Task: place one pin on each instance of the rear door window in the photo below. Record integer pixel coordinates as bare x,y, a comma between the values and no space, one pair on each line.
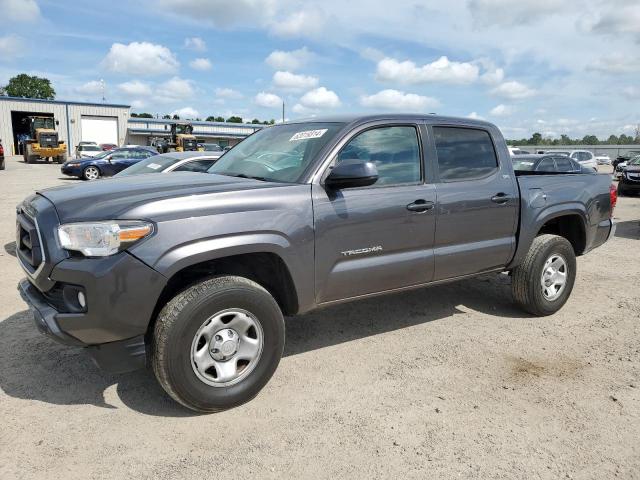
564,164
546,165
464,153
196,166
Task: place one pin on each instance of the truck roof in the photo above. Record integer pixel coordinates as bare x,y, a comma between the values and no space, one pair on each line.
353,118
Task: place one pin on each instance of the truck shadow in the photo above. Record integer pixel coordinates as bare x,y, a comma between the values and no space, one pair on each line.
34,367
10,248
629,229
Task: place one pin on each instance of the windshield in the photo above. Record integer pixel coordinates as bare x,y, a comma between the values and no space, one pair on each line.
41,122
523,165
90,148
154,164
635,160
280,154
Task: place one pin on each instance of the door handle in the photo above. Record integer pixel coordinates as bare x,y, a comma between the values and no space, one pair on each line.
420,206
500,198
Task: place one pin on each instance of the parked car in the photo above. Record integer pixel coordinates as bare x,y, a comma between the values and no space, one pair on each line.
88,151
517,151
211,147
2,166
106,164
625,157
196,271
619,168
548,164
603,159
173,162
630,179
108,146
585,158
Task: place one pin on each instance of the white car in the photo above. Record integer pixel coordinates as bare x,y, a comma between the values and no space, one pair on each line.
583,157
173,162
84,151
603,159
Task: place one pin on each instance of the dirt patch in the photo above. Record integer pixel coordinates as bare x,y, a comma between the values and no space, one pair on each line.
560,367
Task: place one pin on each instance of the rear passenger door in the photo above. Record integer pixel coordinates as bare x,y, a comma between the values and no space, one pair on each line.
478,201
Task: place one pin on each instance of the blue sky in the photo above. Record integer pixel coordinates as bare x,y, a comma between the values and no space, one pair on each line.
552,66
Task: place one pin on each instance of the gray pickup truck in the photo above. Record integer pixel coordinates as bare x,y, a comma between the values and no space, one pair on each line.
191,273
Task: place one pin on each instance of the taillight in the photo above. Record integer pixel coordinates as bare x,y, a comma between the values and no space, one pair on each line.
1,150
613,196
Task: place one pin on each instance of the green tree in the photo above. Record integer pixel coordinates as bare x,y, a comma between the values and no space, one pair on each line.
535,139
176,116
234,119
612,140
28,86
145,115
210,118
590,140
166,117
255,121
219,119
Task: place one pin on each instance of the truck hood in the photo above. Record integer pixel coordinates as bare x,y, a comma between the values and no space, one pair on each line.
114,198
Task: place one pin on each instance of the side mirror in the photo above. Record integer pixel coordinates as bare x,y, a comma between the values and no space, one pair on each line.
352,173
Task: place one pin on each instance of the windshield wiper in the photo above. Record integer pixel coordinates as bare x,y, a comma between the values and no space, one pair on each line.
243,175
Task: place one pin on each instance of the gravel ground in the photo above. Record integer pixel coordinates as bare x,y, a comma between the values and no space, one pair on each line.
452,381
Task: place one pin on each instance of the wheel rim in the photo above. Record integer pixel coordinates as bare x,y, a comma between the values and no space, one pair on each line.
91,173
227,347
554,277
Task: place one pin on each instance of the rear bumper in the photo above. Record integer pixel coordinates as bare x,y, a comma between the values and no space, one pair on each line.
113,357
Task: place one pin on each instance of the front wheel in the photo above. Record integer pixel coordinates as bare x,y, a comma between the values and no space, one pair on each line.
91,173
542,283
217,343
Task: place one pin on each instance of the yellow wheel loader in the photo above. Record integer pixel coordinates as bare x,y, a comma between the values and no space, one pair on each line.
182,139
43,141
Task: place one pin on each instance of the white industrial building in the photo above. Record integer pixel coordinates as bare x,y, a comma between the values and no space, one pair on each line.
103,123
75,121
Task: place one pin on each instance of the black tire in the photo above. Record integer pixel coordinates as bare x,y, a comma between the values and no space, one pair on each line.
2,164
60,159
621,191
180,320
527,277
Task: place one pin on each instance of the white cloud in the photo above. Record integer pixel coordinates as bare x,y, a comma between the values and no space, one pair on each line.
294,82
395,100
442,70
228,93
631,92
513,90
221,13
195,43
618,19
188,113
616,63
509,13
292,60
320,98
202,64
372,54
11,46
138,104
493,77
175,89
308,22
140,58
135,88
19,11
501,110
268,100
93,87
475,116
302,110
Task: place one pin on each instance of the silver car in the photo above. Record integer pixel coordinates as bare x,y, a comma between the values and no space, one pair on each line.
174,162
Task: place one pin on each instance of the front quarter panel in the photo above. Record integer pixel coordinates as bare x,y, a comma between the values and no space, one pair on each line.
199,228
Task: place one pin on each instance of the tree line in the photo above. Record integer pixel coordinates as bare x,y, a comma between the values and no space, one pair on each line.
538,139
211,118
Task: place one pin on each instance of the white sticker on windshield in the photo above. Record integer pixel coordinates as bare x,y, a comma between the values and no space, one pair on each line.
308,134
154,166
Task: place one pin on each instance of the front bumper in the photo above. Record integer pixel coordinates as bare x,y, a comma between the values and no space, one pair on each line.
121,293
629,185
71,171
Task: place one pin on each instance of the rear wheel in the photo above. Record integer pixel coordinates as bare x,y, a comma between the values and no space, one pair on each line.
216,344
542,283
91,173
61,158
621,191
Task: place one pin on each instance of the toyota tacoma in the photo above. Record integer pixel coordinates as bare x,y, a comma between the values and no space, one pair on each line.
192,273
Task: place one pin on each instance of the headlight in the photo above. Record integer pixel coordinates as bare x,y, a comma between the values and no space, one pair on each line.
100,239
73,164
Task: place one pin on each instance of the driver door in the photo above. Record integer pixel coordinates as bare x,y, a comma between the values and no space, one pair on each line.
377,238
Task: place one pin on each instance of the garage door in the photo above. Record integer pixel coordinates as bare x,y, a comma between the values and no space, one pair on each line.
99,129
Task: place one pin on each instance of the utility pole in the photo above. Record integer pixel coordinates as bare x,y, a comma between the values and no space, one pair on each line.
282,112
102,87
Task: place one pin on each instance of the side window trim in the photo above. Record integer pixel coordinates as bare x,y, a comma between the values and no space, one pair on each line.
436,165
358,131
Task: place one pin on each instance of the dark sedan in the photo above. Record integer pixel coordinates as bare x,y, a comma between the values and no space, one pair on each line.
106,164
537,163
630,178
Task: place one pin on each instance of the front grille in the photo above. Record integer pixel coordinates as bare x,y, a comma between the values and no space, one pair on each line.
635,177
189,145
28,247
48,140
